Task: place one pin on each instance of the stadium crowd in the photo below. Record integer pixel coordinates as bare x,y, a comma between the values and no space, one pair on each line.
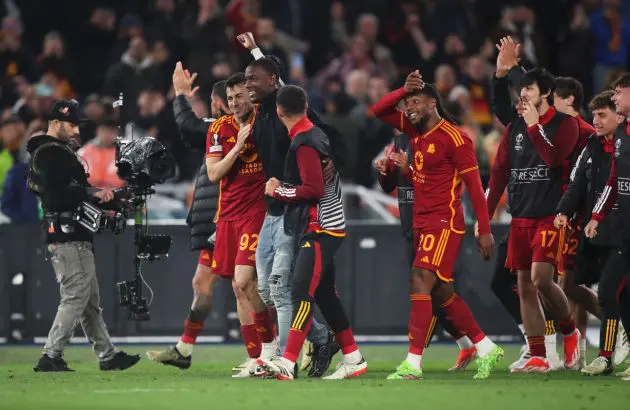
347,54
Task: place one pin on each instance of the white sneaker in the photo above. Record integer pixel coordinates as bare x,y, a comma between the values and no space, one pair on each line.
522,360
348,371
248,371
241,366
622,348
277,367
270,350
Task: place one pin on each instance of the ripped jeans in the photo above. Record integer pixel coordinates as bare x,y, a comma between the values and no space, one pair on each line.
275,258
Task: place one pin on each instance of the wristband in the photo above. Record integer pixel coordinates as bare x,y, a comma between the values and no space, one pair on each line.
257,53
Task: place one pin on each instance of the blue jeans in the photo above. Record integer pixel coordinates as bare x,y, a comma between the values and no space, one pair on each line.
275,258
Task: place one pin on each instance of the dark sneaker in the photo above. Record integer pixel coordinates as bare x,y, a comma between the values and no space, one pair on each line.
48,364
171,357
120,361
322,356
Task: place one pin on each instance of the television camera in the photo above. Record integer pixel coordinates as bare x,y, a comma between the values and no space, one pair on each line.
142,163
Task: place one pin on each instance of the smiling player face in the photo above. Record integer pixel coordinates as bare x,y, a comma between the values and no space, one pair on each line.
239,102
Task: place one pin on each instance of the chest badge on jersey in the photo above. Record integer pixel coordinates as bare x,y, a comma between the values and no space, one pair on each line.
418,159
518,145
617,148
248,154
431,149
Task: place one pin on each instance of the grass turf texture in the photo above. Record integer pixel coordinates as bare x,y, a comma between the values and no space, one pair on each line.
207,384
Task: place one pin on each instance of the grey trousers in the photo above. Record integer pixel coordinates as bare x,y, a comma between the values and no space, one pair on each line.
73,263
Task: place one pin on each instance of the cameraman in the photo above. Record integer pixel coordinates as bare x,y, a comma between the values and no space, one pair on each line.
57,176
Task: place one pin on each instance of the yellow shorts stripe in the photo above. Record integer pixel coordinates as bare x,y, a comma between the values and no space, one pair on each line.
447,234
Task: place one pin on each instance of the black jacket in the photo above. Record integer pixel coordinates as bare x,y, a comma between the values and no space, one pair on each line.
206,194
272,140
588,179
405,188
57,176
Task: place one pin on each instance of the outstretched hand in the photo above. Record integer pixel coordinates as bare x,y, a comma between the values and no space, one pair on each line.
183,81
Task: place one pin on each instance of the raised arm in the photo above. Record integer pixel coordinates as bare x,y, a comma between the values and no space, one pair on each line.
385,110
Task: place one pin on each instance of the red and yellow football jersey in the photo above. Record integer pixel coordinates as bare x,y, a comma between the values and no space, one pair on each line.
439,159
242,189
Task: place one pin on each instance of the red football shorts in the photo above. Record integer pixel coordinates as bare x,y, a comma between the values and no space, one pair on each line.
236,244
205,258
569,250
437,250
532,240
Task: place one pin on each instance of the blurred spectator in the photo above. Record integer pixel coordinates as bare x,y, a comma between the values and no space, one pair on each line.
12,138
34,102
574,43
356,58
165,24
368,28
357,86
17,202
15,59
99,155
611,41
161,56
94,110
374,134
266,40
97,39
53,60
130,26
242,15
204,34
478,83
135,71
450,90
338,106
519,22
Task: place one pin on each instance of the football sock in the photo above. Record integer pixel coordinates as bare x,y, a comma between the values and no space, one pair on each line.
582,345
354,357
419,322
550,345
567,326
608,337
296,340
464,343
185,349
251,341
537,346
415,360
189,337
345,338
484,346
459,314
264,326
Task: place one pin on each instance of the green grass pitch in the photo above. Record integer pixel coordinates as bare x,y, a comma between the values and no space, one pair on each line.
208,385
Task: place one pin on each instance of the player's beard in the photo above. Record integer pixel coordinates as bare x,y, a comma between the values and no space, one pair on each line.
421,125
245,116
71,140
